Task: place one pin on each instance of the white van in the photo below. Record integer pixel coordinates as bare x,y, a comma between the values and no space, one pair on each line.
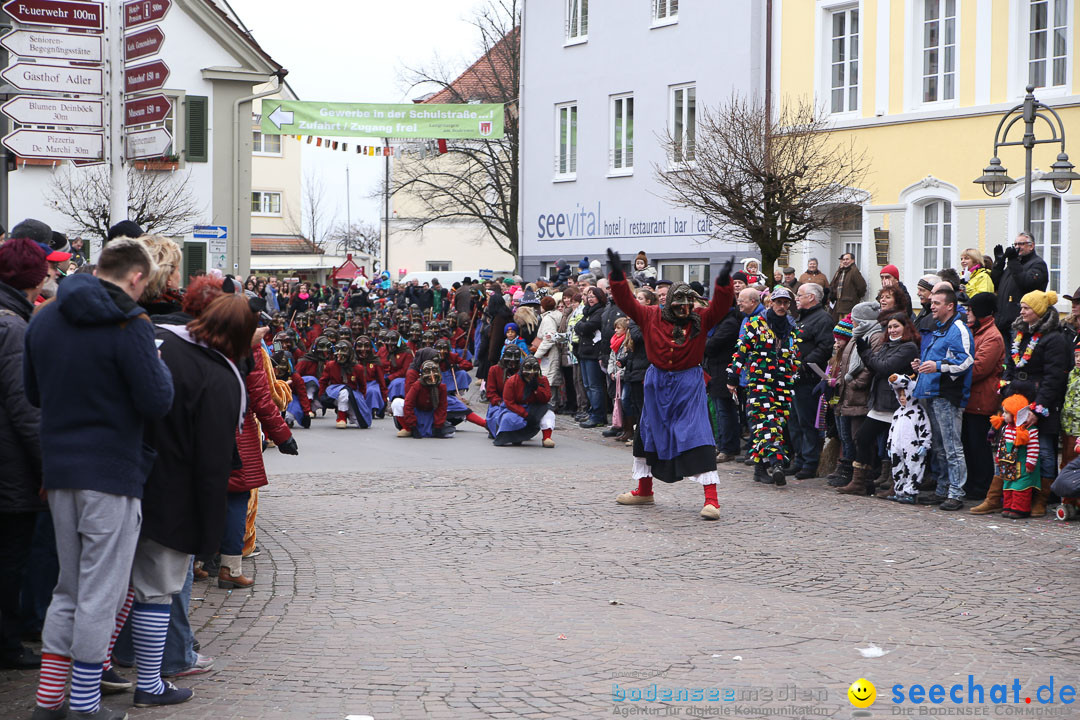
447,278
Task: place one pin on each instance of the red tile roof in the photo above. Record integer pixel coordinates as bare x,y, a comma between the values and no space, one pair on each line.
478,82
282,245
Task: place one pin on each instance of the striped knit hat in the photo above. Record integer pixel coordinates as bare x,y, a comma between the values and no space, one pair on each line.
843,328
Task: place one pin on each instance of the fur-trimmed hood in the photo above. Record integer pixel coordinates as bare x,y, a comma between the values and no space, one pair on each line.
1047,323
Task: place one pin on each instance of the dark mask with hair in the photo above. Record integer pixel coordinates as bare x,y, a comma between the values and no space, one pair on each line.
530,370
511,360
324,349
679,311
343,353
415,332
392,341
443,348
427,339
430,375
280,361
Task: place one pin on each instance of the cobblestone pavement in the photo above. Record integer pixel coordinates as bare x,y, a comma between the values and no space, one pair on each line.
520,589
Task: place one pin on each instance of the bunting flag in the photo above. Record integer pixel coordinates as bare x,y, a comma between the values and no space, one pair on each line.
428,148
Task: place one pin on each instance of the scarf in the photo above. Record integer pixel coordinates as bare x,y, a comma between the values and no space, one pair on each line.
780,325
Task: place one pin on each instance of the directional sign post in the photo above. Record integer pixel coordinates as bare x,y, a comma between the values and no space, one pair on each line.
53,46
146,110
38,77
148,76
432,122
215,232
56,145
143,43
140,12
147,143
61,13
27,110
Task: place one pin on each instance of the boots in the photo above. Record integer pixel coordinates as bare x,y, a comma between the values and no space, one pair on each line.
231,573
627,429
992,503
842,475
1039,498
860,482
761,474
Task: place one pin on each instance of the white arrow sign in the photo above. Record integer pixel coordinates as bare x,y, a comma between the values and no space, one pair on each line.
281,117
147,143
56,145
54,78
57,46
29,110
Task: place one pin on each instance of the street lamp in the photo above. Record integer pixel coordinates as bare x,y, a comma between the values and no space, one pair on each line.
994,179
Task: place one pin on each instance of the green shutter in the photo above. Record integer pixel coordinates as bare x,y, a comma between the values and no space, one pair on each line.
196,128
194,260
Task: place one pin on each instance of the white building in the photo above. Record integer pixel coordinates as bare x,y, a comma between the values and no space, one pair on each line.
602,83
214,65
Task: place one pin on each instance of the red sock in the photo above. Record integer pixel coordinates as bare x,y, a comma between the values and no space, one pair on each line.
121,618
547,434
710,495
477,420
52,680
644,486
342,416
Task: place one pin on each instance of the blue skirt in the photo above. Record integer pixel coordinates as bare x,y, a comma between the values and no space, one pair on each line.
374,396
496,414
425,426
514,429
396,388
674,434
357,401
462,378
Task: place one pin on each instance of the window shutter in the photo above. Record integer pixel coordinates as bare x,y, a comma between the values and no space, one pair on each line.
673,8
194,260
584,18
197,130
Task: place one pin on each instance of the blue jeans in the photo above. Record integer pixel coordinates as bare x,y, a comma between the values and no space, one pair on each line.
945,423
805,438
730,425
179,643
594,380
235,520
847,439
1048,456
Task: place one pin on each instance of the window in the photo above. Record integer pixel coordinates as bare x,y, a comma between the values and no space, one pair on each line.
849,231
686,271
937,235
438,265
577,20
566,159
1048,42
265,144
622,134
683,123
1046,232
265,203
665,11
938,50
844,60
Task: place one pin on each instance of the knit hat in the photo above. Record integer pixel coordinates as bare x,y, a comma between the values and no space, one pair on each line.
511,326
642,257
843,328
983,304
890,270
22,263
1040,301
587,277
740,275
927,282
865,311
1014,404
583,264
34,230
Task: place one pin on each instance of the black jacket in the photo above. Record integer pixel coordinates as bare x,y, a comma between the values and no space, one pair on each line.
20,441
816,343
592,320
607,327
888,359
1012,280
637,361
718,351
1044,378
184,499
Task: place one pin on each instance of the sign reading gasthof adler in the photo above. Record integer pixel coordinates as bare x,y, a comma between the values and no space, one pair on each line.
432,122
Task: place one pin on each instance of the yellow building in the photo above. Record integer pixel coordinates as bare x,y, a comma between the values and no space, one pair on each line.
921,85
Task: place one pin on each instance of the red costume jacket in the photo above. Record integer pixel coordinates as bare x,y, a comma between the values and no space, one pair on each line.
374,371
398,365
313,334
299,391
514,394
494,385
419,398
260,405
456,362
459,340
384,355
332,375
660,345
306,366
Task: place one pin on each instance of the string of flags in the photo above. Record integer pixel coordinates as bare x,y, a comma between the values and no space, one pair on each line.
423,149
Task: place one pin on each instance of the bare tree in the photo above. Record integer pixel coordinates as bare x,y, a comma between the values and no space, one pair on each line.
314,224
476,180
364,237
773,183
160,202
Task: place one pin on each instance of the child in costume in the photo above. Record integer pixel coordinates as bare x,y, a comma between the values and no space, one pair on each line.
908,443
1017,455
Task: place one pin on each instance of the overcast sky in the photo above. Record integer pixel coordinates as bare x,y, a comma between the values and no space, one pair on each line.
354,51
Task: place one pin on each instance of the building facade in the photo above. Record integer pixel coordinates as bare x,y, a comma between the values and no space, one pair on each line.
603,84
922,85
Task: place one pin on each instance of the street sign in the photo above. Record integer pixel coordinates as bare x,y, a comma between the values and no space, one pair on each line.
63,13
54,46
54,78
486,274
147,143
143,43
411,121
217,232
149,76
56,144
29,110
146,110
140,12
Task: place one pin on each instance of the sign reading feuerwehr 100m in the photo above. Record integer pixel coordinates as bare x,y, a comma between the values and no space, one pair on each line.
419,122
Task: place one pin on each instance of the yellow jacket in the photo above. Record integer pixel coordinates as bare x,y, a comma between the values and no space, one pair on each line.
979,282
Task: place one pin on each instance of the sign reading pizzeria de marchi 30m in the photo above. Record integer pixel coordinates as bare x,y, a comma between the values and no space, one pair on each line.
412,121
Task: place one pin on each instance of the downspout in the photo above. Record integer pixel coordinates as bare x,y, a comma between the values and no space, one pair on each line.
235,212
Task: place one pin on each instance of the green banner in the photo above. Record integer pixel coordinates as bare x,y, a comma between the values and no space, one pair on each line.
412,121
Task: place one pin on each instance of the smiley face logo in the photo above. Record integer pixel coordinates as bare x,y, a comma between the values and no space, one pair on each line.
862,693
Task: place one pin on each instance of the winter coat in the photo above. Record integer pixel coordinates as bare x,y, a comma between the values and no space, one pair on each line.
497,315
891,357
846,289
20,444
592,319
816,277
854,394
979,282
950,347
99,424
986,372
1043,379
547,352
815,342
636,362
1014,279
718,351
925,322
516,395
184,500
260,404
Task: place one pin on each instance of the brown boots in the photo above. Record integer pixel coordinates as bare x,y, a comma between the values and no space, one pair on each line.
860,482
1039,498
231,576
992,503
